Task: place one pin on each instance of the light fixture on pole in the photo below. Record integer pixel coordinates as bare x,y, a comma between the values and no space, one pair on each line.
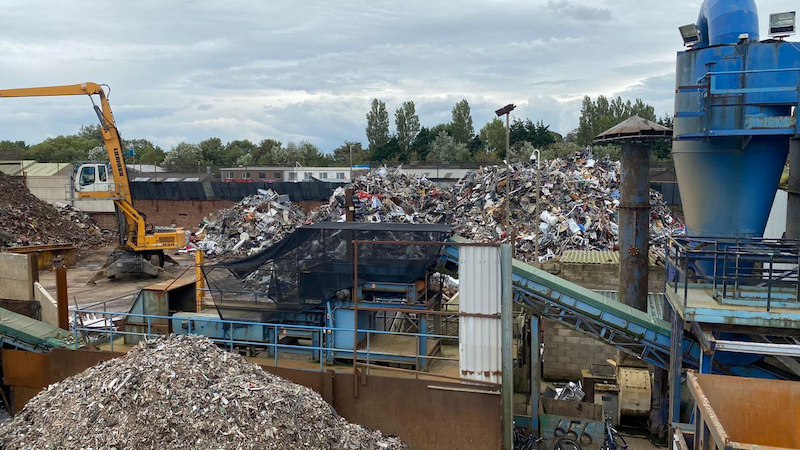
506,110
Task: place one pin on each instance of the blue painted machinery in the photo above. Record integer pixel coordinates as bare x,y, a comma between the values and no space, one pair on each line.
734,102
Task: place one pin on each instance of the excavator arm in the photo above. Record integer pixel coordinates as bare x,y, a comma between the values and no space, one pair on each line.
135,238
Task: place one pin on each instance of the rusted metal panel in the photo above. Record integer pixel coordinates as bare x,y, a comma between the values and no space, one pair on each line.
421,412
480,290
745,413
66,363
28,308
25,369
20,396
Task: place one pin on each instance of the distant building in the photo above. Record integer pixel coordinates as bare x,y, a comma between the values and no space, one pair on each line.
296,174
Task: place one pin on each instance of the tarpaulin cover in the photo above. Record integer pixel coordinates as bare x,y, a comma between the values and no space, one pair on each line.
316,261
217,190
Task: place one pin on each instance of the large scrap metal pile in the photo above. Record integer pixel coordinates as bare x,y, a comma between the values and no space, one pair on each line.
183,392
27,220
578,209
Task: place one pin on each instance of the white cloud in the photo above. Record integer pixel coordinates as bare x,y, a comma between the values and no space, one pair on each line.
189,70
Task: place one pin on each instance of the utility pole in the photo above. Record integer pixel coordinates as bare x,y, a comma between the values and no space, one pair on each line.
538,200
350,147
506,110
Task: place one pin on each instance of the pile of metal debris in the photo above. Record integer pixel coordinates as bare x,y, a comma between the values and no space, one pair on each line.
579,200
179,392
27,220
251,225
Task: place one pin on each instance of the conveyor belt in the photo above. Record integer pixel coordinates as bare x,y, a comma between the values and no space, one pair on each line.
627,329
30,334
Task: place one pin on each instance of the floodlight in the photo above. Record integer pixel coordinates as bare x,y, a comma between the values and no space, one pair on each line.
690,34
505,109
782,24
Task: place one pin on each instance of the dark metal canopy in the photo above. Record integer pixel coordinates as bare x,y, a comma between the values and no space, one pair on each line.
634,127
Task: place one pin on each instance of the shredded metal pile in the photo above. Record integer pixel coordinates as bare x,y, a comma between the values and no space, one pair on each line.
27,220
579,208
183,392
251,225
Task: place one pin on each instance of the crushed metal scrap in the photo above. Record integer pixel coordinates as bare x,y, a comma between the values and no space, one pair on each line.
27,220
179,392
579,203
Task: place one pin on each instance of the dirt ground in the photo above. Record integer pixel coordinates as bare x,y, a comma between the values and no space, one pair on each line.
118,294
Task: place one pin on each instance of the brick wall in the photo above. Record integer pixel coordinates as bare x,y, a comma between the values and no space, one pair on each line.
566,351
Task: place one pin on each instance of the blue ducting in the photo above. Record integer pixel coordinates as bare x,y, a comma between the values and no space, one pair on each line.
723,21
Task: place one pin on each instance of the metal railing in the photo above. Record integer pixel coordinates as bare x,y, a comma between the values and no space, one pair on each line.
322,348
745,272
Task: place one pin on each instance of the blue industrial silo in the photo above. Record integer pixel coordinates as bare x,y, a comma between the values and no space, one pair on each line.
734,104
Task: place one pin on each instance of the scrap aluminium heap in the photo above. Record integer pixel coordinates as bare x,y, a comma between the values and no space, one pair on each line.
179,392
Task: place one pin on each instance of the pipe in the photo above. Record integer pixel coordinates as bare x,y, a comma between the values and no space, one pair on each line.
507,389
536,369
634,224
722,21
793,203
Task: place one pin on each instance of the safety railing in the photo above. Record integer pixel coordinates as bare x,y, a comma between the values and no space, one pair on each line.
784,91
322,347
743,272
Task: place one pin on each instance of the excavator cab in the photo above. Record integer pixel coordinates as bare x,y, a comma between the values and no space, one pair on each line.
93,177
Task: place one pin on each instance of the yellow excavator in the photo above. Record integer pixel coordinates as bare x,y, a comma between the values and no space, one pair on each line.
141,249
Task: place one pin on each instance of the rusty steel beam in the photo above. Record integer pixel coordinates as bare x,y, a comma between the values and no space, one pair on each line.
62,298
634,224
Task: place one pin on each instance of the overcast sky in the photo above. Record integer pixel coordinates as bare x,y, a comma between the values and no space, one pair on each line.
294,70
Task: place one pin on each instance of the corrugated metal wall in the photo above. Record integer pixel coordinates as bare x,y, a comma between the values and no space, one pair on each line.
480,290
776,224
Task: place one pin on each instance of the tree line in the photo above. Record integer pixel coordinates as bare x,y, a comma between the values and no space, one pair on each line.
454,141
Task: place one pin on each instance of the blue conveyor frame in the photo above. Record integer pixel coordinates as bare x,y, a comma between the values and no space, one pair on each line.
632,331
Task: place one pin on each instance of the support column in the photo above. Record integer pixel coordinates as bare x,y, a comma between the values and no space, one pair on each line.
200,280
536,370
793,206
634,224
62,297
507,387
675,367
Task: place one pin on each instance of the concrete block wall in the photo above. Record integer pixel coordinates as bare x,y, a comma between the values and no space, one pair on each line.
17,275
567,352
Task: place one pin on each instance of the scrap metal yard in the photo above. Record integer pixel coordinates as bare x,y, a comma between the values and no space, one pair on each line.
633,283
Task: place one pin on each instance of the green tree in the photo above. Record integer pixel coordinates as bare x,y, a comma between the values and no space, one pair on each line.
602,114
445,148
422,144
537,134
341,154
461,127
390,151
11,150
144,152
212,152
183,157
235,151
265,153
377,125
407,123
308,154
493,137
72,148
662,148
92,132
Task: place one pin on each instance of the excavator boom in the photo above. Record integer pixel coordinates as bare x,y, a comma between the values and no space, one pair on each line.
134,237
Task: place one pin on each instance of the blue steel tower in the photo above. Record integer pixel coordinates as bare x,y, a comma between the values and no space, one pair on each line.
735,112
